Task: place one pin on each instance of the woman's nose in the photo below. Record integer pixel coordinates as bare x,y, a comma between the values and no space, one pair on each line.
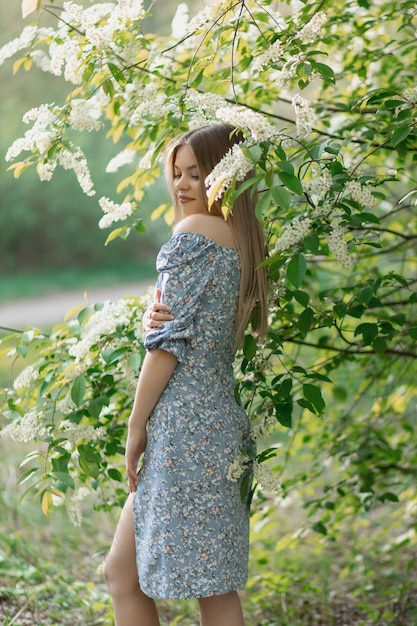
181,183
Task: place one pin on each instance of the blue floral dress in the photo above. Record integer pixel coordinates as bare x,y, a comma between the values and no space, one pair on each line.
191,524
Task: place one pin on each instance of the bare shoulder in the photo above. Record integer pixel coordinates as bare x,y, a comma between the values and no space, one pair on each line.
212,226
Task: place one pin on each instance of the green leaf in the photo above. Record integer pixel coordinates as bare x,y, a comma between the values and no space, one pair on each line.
412,331
65,478
115,474
112,356
249,347
281,196
400,134
305,321
319,527
292,182
379,345
283,414
117,73
78,390
296,270
312,393
263,204
312,243
302,297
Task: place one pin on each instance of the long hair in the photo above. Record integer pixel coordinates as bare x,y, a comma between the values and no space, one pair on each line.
209,145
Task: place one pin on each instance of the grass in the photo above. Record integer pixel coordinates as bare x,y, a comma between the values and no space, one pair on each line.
40,283
49,570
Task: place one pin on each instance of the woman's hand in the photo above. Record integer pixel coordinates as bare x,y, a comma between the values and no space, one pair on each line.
135,447
157,314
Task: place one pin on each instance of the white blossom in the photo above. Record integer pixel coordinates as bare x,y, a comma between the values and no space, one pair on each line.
361,194
305,117
73,505
238,467
85,114
41,135
336,240
26,377
77,432
103,323
24,40
202,107
234,165
180,21
286,73
311,31
122,158
75,160
240,116
270,56
26,428
411,95
319,184
209,14
113,212
266,478
131,9
294,232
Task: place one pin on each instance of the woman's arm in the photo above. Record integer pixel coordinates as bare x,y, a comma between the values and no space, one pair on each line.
157,368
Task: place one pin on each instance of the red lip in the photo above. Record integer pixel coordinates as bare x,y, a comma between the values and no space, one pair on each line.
183,199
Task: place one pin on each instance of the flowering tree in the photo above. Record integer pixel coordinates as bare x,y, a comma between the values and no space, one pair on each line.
325,96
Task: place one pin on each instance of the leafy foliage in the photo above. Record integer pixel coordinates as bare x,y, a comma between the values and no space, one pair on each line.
325,96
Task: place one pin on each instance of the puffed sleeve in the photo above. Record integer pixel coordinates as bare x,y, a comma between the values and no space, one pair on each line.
185,265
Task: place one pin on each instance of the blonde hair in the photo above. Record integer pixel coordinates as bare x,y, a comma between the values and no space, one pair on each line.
209,145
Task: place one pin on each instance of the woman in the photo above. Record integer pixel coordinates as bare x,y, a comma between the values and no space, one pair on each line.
184,523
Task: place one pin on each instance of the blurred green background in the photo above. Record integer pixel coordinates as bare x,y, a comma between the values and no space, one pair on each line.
49,235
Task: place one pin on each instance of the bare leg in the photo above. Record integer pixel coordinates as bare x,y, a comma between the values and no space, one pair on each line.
224,610
131,606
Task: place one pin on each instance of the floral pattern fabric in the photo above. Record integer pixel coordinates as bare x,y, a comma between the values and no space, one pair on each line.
191,525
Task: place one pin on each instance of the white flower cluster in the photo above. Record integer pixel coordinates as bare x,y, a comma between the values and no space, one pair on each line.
202,107
73,505
266,478
244,118
180,21
362,195
237,468
42,133
270,56
234,165
85,114
305,117
25,39
26,377
113,212
75,160
27,428
337,242
65,54
294,232
311,31
122,158
103,323
153,101
209,14
411,95
319,184
78,432
265,427
288,71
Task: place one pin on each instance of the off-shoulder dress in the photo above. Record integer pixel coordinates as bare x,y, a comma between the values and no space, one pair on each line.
191,522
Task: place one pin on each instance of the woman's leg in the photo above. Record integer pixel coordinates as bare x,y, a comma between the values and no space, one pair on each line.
224,610
131,606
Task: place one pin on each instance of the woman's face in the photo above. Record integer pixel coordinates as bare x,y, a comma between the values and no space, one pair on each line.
188,186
